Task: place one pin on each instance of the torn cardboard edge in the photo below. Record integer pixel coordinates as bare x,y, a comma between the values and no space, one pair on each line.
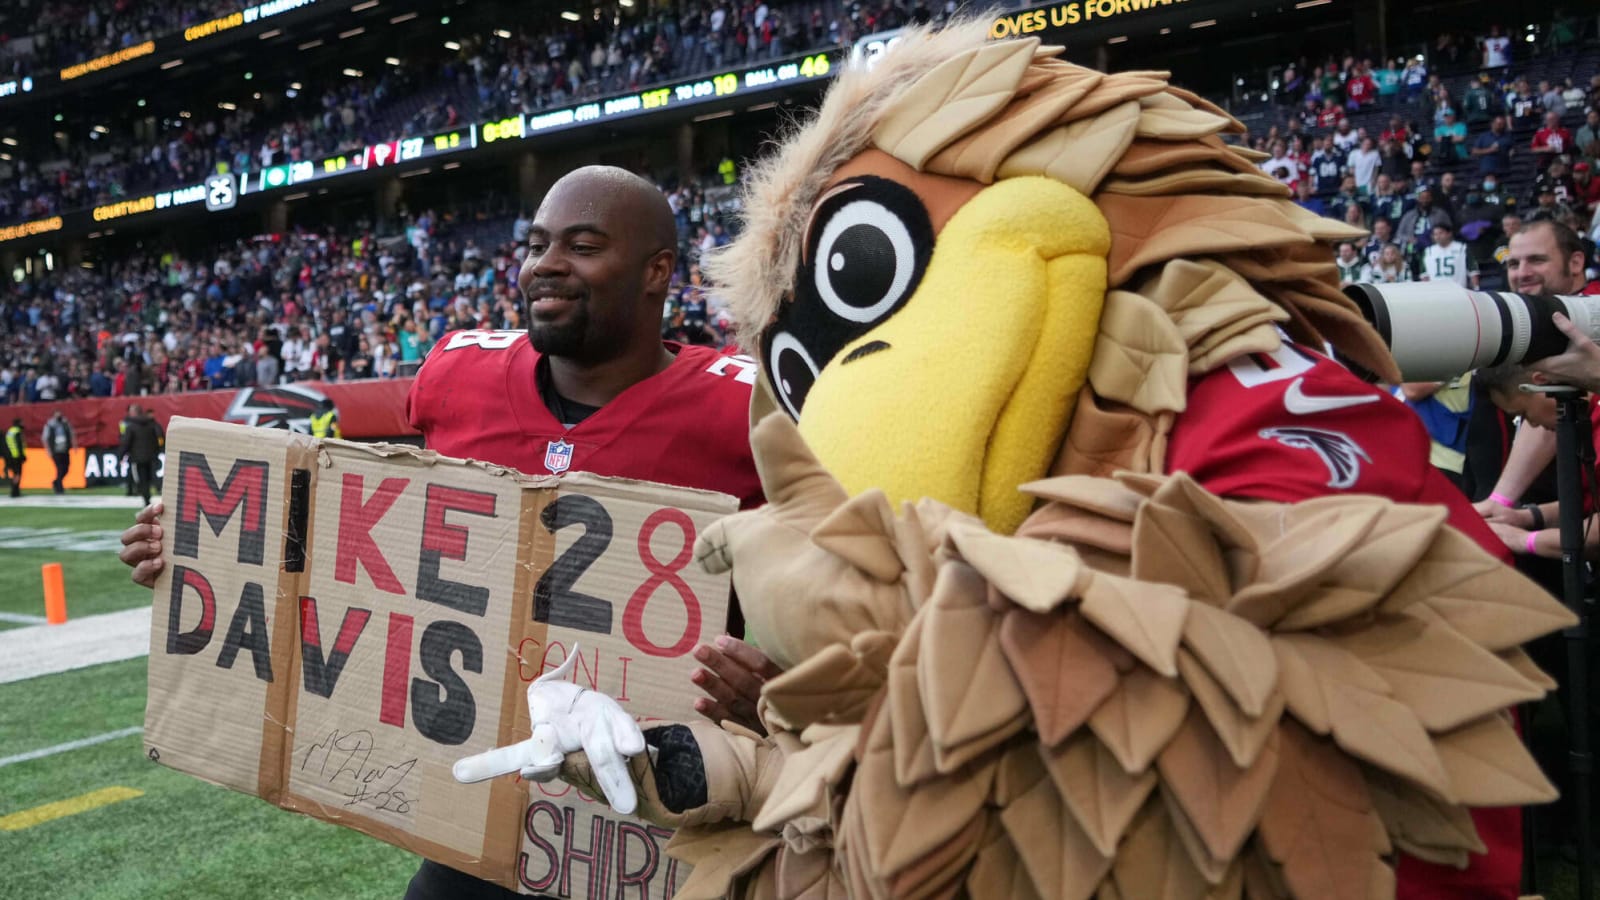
300,462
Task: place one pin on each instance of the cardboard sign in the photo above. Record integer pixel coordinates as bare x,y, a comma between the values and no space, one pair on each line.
339,623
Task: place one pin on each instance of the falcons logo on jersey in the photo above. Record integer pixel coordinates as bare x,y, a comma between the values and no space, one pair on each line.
1341,455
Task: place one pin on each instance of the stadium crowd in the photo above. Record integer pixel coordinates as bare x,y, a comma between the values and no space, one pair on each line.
1441,169
491,76
1503,146
50,34
307,305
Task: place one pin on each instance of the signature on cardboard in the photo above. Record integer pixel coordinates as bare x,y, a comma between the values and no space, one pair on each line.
344,761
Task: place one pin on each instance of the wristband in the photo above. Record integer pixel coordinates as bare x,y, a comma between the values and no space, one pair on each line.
1538,516
1503,500
1533,538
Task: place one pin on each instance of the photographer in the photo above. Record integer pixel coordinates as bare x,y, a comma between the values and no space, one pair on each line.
1543,258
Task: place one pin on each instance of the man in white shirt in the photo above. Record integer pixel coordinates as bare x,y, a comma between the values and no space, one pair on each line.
1345,137
1282,166
1446,259
1364,165
1496,49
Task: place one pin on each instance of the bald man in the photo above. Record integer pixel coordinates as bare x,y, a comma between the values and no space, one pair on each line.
590,387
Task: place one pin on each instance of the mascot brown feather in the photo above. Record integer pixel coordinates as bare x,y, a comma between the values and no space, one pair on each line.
1057,618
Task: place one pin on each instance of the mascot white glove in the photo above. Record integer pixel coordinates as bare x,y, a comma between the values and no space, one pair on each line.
567,718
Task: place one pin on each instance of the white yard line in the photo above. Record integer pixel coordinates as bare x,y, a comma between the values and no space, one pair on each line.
22,619
88,641
71,745
72,501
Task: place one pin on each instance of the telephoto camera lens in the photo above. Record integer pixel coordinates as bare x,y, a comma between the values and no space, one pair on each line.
1438,330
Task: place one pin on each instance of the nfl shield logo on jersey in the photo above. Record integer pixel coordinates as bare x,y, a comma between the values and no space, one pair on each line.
558,457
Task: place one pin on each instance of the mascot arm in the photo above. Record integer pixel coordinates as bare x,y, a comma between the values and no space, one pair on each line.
695,774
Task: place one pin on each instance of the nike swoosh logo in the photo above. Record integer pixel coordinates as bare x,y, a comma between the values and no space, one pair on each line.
1296,402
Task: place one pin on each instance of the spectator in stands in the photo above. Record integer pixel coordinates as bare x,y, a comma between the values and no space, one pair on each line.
1364,163
1585,191
1397,132
1331,85
1557,182
1491,191
1353,267
1551,141
1496,49
1327,167
1523,105
1510,227
1545,208
1414,80
1382,235
1345,137
1347,196
1391,266
1477,103
1355,215
1477,225
1442,105
1451,136
1392,160
1307,199
269,362
1360,89
1446,259
1291,87
1450,195
1309,114
360,364
1388,81
1493,149
1572,96
1551,99
1416,226
1419,177
1299,151
46,387
1330,114
1587,139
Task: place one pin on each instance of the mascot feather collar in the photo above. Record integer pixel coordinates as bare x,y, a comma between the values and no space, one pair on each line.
981,282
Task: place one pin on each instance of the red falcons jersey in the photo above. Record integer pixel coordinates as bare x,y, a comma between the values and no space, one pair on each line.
1292,425
477,398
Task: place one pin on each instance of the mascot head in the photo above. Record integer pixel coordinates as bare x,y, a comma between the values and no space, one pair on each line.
979,265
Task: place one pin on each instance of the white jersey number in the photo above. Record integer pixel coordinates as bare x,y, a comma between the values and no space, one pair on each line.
484,340
745,365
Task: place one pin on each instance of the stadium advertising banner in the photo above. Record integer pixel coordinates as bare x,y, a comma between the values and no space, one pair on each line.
221,192
339,623
1022,23
202,35
368,410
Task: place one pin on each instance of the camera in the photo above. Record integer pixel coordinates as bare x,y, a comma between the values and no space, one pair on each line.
1437,330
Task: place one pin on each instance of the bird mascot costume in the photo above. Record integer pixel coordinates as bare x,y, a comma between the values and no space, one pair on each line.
1090,573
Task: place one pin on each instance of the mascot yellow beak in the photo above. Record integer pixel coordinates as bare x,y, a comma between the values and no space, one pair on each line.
948,373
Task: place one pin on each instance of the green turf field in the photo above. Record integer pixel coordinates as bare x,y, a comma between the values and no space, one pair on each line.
182,838
85,543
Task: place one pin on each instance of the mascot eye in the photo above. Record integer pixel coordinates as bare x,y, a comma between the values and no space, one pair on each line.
864,262
793,372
